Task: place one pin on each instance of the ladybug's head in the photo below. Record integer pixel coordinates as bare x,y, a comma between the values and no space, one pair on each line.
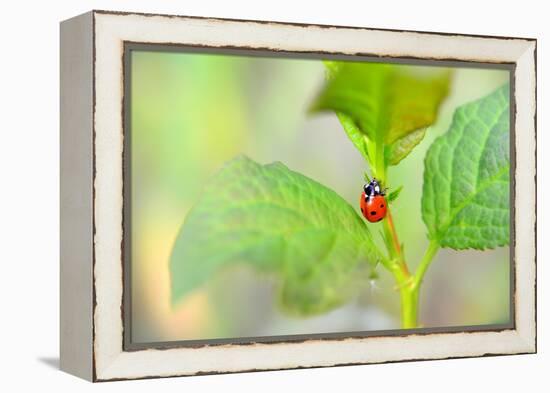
369,189
372,188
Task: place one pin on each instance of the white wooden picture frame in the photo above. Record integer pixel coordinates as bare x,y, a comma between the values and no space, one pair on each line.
92,202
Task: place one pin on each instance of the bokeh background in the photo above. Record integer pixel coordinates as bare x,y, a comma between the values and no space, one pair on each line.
191,112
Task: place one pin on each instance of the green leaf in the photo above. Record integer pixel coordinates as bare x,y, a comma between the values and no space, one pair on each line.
278,221
403,146
352,130
385,102
354,134
392,196
331,67
465,200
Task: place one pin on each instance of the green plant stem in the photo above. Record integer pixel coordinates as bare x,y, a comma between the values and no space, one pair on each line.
398,266
408,284
408,294
395,251
429,255
409,306
403,278
409,288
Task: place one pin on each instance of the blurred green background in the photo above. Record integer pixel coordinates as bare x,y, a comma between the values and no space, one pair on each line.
191,112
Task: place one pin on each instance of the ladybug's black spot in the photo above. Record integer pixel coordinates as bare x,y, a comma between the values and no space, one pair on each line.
373,213
382,205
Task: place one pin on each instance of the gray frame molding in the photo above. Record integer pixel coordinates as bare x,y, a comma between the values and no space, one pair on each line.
92,187
76,195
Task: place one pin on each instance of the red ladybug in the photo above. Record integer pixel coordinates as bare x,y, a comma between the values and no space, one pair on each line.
373,203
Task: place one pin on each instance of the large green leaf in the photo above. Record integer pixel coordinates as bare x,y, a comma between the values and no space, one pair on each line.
355,135
386,103
465,200
275,220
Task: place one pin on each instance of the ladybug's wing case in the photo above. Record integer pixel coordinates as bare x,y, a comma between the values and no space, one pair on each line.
363,204
375,208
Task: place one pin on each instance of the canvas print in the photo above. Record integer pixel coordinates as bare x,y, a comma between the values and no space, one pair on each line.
279,196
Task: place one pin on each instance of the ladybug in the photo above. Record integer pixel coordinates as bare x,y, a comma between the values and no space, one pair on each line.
373,202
